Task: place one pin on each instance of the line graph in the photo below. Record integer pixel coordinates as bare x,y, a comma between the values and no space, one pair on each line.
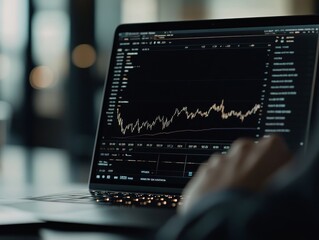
189,131
166,121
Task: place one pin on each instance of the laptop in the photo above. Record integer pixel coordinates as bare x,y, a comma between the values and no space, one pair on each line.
175,93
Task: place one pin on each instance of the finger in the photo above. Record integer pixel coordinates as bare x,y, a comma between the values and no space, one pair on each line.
238,153
203,181
279,150
240,147
214,160
269,155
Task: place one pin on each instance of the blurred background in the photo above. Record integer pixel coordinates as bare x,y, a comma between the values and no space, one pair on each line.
54,56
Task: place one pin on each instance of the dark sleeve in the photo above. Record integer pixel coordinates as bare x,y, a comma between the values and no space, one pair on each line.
288,209
240,215
207,219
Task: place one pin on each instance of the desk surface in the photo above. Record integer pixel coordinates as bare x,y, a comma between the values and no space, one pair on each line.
42,171
45,170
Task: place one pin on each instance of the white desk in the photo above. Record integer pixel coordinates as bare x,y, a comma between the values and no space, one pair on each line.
43,170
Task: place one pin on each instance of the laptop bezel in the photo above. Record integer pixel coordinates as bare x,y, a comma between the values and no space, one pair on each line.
178,25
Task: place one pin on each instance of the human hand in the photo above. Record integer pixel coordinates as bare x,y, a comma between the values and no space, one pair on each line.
247,165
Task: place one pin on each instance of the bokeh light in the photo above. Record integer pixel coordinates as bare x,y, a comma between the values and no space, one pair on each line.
41,77
83,56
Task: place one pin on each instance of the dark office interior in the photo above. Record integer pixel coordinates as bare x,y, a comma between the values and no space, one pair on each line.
54,57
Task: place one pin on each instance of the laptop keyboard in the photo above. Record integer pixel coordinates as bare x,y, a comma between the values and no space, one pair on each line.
117,198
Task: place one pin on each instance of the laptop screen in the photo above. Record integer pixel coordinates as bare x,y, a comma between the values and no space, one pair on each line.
178,92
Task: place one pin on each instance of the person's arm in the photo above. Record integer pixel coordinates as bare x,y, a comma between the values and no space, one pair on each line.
224,199
247,166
